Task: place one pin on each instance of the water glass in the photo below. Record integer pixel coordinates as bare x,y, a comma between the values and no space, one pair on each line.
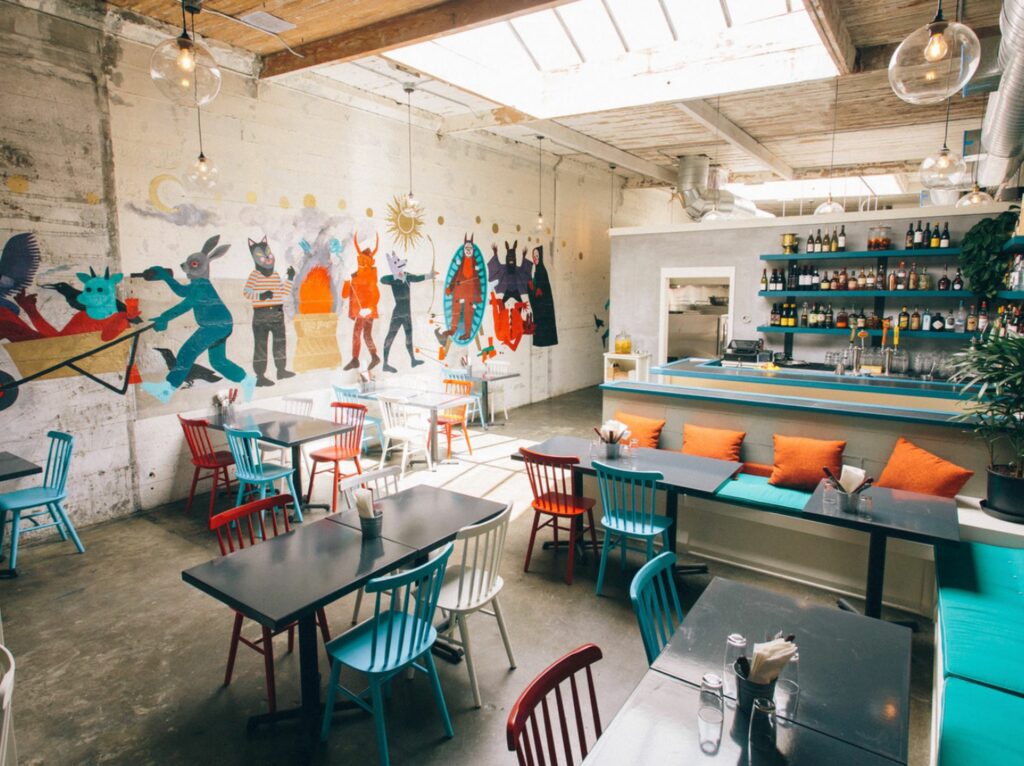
710,713
735,647
830,497
787,691
761,737
865,503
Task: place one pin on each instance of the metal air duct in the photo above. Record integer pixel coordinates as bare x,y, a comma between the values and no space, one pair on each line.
1002,131
699,191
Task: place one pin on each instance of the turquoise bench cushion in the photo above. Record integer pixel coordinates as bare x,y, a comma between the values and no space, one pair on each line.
755,490
981,613
979,725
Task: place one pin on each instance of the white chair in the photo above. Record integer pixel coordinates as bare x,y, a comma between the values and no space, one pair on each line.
405,428
293,405
472,583
496,390
8,755
381,483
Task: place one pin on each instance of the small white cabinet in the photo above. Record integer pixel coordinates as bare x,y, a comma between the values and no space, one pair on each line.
635,367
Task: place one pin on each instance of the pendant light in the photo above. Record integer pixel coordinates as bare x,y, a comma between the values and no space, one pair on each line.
183,68
539,228
611,195
830,206
935,61
945,168
977,195
412,205
203,173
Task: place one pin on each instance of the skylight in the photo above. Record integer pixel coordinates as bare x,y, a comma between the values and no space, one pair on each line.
593,55
849,186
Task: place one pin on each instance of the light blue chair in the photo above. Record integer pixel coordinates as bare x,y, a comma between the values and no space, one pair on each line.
475,407
251,471
628,500
656,603
49,497
399,636
350,395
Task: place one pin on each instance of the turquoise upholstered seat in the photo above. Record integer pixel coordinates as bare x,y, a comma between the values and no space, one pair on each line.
979,725
981,613
747,489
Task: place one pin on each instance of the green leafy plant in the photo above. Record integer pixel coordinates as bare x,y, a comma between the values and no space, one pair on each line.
992,374
982,262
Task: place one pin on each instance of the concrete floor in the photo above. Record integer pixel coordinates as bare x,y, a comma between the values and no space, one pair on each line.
120,662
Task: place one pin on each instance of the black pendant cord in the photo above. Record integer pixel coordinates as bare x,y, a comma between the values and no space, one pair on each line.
540,172
195,85
184,26
945,134
835,125
408,121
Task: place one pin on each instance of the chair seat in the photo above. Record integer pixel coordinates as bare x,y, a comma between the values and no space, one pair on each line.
404,433
449,598
562,504
217,459
333,454
637,528
450,420
32,497
979,725
271,472
353,648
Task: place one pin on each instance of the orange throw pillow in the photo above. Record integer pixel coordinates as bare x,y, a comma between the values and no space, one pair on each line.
718,443
914,469
799,460
646,431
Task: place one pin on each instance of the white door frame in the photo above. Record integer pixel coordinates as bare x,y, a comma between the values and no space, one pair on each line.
727,272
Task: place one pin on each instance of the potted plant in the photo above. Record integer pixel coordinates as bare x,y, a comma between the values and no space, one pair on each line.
992,374
982,261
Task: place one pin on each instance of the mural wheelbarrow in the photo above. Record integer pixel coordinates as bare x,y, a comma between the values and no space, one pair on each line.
66,355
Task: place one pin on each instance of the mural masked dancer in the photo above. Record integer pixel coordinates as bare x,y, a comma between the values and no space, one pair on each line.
466,293
363,295
401,318
266,291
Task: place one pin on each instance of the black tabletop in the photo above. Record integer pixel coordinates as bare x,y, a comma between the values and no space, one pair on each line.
425,517
658,725
280,428
908,515
681,471
14,467
277,581
854,671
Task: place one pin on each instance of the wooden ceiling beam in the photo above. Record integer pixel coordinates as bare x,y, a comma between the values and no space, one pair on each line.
828,22
498,117
705,114
418,26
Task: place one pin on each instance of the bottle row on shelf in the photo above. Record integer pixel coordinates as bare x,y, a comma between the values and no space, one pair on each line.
801,277
975,319
880,238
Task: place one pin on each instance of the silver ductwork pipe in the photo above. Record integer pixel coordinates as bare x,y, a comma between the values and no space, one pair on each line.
1002,130
699,190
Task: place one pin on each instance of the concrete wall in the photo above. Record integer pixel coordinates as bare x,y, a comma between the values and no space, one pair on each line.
93,160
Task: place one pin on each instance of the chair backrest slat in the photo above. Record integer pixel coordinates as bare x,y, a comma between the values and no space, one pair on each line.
245,449
197,436
393,413
628,496
381,483
234,528
523,732
457,387
656,603
58,460
498,367
349,414
550,478
481,546
298,405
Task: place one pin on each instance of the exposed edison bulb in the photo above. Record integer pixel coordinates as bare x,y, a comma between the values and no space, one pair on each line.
411,207
185,71
186,58
539,226
934,62
829,207
943,170
937,47
976,196
203,174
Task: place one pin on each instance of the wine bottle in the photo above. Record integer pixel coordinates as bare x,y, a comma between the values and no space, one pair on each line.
918,236
834,242
826,244
944,238
764,280
908,242
936,237
983,317
809,245
842,237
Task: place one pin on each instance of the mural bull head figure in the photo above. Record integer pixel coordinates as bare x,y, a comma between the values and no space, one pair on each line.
99,293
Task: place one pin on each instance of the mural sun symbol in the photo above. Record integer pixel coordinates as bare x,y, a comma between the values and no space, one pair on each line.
404,228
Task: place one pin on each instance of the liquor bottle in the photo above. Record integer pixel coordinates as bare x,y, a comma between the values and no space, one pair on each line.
936,238
804,318
815,279
880,281
908,243
862,280
826,281
918,237
901,276
829,317
842,238
826,243
960,319
774,318
958,281
944,237
835,280
804,277
904,319
926,321
862,320
869,279
944,283
972,320
844,280
912,277
891,282
926,238
834,242
764,280
842,320
809,245
924,281
793,279
915,320
999,323
983,317
817,242
938,322
852,283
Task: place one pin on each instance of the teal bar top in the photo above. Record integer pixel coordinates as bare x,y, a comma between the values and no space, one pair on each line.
811,378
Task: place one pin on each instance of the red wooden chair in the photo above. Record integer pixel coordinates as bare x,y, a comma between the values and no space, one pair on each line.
247,525
454,417
347,446
551,482
205,457
535,739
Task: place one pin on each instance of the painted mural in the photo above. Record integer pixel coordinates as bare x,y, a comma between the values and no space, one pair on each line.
542,303
363,296
399,281
463,295
512,279
267,293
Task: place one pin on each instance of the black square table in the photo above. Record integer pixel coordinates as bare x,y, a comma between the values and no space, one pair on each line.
14,467
854,672
658,725
288,578
907,515
683,474
281,429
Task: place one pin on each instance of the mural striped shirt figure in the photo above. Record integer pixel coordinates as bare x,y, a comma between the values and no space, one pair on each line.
258,285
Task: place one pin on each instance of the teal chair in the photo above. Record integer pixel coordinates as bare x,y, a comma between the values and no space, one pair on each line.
475,407
350,395
251,471
628,500
49,497
656,603
399,636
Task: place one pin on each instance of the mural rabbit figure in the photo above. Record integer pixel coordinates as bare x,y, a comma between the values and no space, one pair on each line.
212,316
267,292
363,295
401,317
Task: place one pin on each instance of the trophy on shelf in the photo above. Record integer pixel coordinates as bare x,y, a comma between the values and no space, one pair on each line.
790,243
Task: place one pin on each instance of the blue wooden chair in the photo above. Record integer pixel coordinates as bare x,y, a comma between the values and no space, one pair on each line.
49,497
399,636
251,471
656,603
628,500
475,408
350,395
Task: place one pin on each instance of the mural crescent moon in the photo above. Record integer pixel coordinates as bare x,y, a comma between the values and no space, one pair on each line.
154,192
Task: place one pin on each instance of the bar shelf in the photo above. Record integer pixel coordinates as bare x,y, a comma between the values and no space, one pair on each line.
1011,295
961,294
943,335
932,252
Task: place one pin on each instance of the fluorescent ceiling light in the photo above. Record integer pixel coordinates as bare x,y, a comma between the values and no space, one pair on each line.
850,186
531,63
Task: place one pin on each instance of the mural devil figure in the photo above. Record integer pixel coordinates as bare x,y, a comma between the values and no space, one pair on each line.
363,295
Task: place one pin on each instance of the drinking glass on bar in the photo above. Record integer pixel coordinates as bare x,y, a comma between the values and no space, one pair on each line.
710,713
787,691
735,647
761,737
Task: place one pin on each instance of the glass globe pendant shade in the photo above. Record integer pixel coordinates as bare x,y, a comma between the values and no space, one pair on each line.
539,225
934,62
943,170
829,207
976,196
411,206
185,71
203,173
714,214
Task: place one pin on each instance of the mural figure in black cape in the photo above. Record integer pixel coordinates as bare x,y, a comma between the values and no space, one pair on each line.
401,318
542,303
